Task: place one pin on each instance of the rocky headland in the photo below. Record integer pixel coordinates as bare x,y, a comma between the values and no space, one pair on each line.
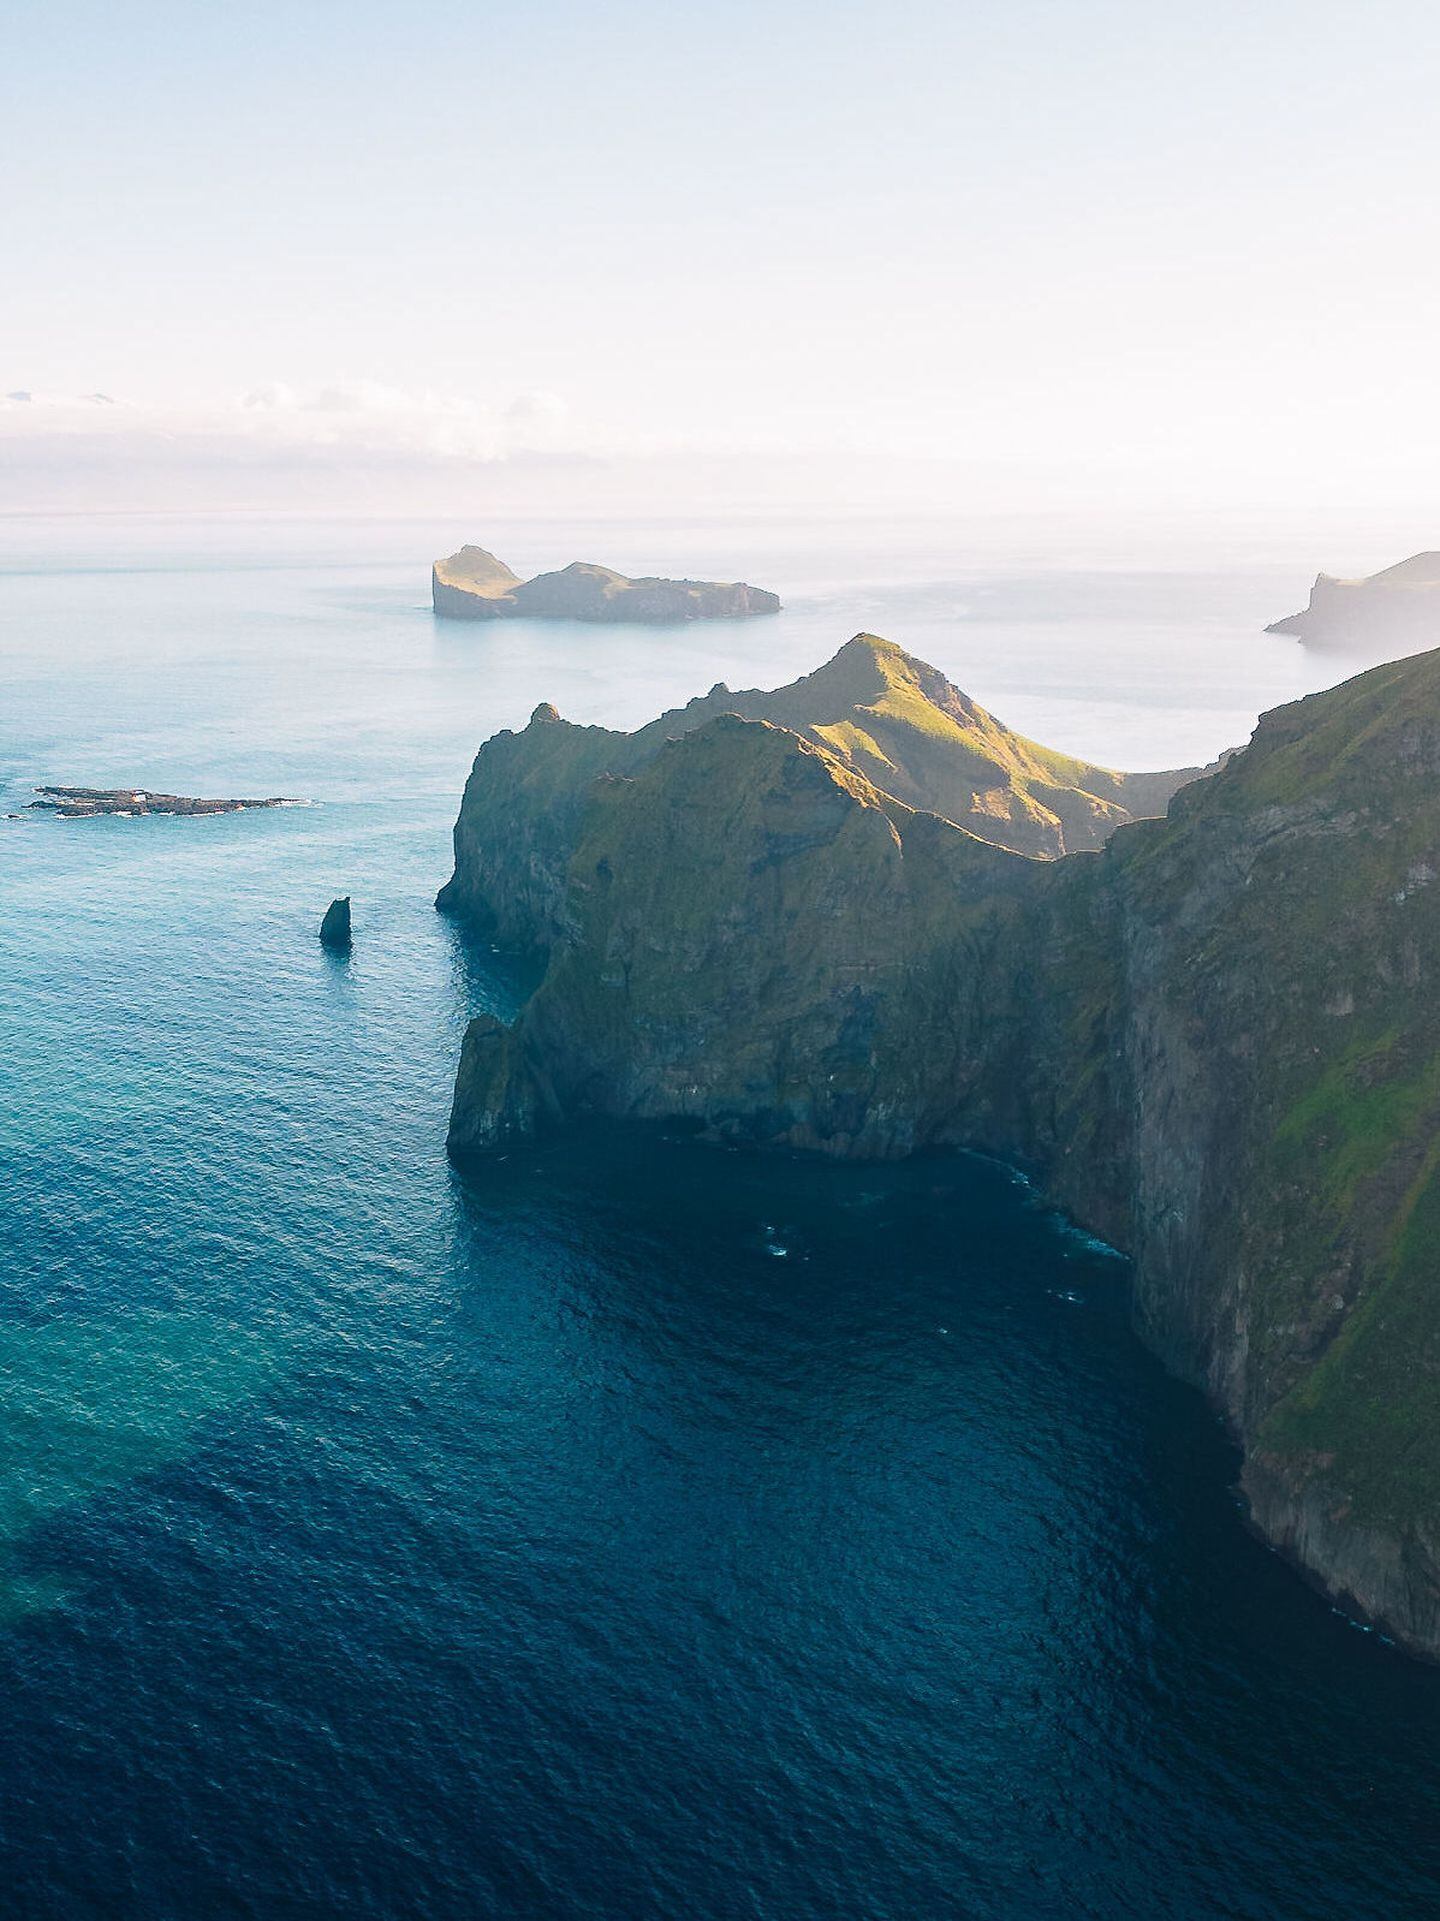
1393,612
1215,1039
473,585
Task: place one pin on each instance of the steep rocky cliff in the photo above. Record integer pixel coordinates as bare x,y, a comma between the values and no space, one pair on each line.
1217,1041
1276,1007
713,903
1392,612
473,585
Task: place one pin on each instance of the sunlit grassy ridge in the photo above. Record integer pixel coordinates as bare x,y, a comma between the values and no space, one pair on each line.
886,717
903,726
890,719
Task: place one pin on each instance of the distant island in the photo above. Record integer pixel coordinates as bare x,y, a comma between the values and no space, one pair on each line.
473,585
861,916
1395,612
80,803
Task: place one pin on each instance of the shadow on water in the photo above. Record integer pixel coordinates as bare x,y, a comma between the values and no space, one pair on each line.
91,1405
488,979
888,1397
701,1533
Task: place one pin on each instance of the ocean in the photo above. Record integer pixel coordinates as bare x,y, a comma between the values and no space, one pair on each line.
623,1529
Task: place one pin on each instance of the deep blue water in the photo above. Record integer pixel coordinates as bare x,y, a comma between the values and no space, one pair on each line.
625,1529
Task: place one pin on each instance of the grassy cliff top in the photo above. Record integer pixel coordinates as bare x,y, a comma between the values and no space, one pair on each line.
903,727
1348,745
890,719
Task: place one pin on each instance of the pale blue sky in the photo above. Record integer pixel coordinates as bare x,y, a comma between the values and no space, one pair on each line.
1130,239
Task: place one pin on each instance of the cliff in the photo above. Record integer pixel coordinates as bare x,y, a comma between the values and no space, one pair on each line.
891,720
713,902
1393,612
1217,1042
473,585
1275,1007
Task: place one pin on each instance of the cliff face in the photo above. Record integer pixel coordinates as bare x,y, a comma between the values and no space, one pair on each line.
473,585
1277,1013
1395,611
1217,1042
716,967
517,828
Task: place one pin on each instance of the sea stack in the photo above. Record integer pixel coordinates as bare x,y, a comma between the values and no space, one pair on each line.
335,927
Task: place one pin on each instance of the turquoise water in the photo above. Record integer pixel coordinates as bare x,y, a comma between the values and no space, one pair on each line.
621,1530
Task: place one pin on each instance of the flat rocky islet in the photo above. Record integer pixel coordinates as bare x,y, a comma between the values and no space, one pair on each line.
84,803
1390,612
474,585
1212,1036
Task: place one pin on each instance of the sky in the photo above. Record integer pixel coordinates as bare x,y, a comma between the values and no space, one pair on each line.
1029,254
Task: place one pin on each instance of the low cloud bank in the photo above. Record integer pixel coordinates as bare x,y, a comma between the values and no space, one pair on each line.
361,417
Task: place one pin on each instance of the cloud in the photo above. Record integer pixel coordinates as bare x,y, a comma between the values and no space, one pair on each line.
369,416
535,422
345,417
39,404
274,394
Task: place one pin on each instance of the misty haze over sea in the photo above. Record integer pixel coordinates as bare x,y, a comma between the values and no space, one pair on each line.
1133,645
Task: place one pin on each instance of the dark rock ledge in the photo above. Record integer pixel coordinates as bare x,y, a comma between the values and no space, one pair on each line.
82,803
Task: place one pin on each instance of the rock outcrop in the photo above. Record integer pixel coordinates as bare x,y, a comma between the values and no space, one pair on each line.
335,926
474,585
1217,1042
1394,612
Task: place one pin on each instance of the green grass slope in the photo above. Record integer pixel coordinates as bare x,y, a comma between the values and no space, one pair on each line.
888,718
